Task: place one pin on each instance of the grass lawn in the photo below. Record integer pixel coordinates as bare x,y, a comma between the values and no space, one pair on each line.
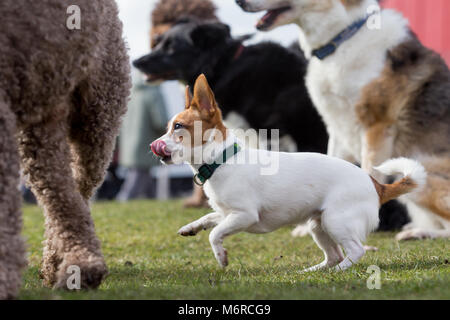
148,260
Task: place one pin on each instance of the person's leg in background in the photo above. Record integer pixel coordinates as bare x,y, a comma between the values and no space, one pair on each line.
144,122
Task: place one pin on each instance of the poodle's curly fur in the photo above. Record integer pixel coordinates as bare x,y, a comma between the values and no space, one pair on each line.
169,11
62,95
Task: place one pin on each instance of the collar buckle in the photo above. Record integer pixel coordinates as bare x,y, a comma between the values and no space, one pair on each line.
198,181
207,170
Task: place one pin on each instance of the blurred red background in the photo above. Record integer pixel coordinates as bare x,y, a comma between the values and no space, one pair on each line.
429,19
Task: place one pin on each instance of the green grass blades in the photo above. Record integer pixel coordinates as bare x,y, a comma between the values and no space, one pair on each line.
147,259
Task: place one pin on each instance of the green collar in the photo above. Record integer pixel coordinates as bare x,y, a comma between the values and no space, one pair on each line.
206,171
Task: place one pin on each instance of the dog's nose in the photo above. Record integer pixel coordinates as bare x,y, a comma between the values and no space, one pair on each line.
240,3
138,63
159,148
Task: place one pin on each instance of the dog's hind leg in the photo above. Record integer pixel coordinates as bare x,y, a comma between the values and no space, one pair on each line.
354,251
12,251
99,104
332,251
71,239
349,225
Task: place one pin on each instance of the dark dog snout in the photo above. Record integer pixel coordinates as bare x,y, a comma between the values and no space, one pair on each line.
139,63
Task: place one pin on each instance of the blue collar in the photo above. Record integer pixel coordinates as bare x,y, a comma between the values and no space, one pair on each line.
332,46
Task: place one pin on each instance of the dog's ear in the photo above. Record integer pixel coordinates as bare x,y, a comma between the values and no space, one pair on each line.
210,34
204,100
188,97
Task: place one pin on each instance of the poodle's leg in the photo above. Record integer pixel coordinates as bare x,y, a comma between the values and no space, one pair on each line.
71,239
12,252
332,251
100,105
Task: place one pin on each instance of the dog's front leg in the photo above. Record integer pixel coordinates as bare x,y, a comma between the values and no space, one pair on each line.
206,222
377,147
233,223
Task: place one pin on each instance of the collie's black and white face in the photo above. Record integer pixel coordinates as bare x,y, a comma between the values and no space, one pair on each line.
282,12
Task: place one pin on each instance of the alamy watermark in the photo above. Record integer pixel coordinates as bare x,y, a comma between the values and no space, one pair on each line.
74,280
207,146
374,20
73,21
374,280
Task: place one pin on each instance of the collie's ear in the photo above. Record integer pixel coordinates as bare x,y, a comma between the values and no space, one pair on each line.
204,99
188,98
207,35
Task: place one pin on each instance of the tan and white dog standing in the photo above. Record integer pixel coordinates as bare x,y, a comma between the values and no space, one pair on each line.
339,198
381,93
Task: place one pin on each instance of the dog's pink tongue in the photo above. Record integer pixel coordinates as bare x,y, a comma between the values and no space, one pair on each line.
265,20
159,148
267,16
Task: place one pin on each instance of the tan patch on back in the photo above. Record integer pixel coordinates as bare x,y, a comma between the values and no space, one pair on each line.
391,101
408,97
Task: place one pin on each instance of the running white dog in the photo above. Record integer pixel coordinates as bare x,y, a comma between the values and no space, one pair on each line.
341,199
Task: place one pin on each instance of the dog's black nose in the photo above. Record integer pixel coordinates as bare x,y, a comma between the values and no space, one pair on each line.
139,62
240,2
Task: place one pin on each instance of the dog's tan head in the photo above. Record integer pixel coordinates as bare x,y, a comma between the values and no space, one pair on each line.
187,132
282,12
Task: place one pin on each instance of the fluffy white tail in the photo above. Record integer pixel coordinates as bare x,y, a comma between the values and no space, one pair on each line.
414,174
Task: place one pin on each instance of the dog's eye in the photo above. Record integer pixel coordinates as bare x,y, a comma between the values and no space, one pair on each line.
177,126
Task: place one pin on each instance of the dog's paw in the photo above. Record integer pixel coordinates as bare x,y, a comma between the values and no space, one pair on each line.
370,248
188,231
318,267
90,271
408,226
412,234
222,257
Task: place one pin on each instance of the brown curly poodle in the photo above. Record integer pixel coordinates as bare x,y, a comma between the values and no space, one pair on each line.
62,95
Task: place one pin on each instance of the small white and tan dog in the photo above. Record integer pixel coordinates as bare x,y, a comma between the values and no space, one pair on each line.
339,198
